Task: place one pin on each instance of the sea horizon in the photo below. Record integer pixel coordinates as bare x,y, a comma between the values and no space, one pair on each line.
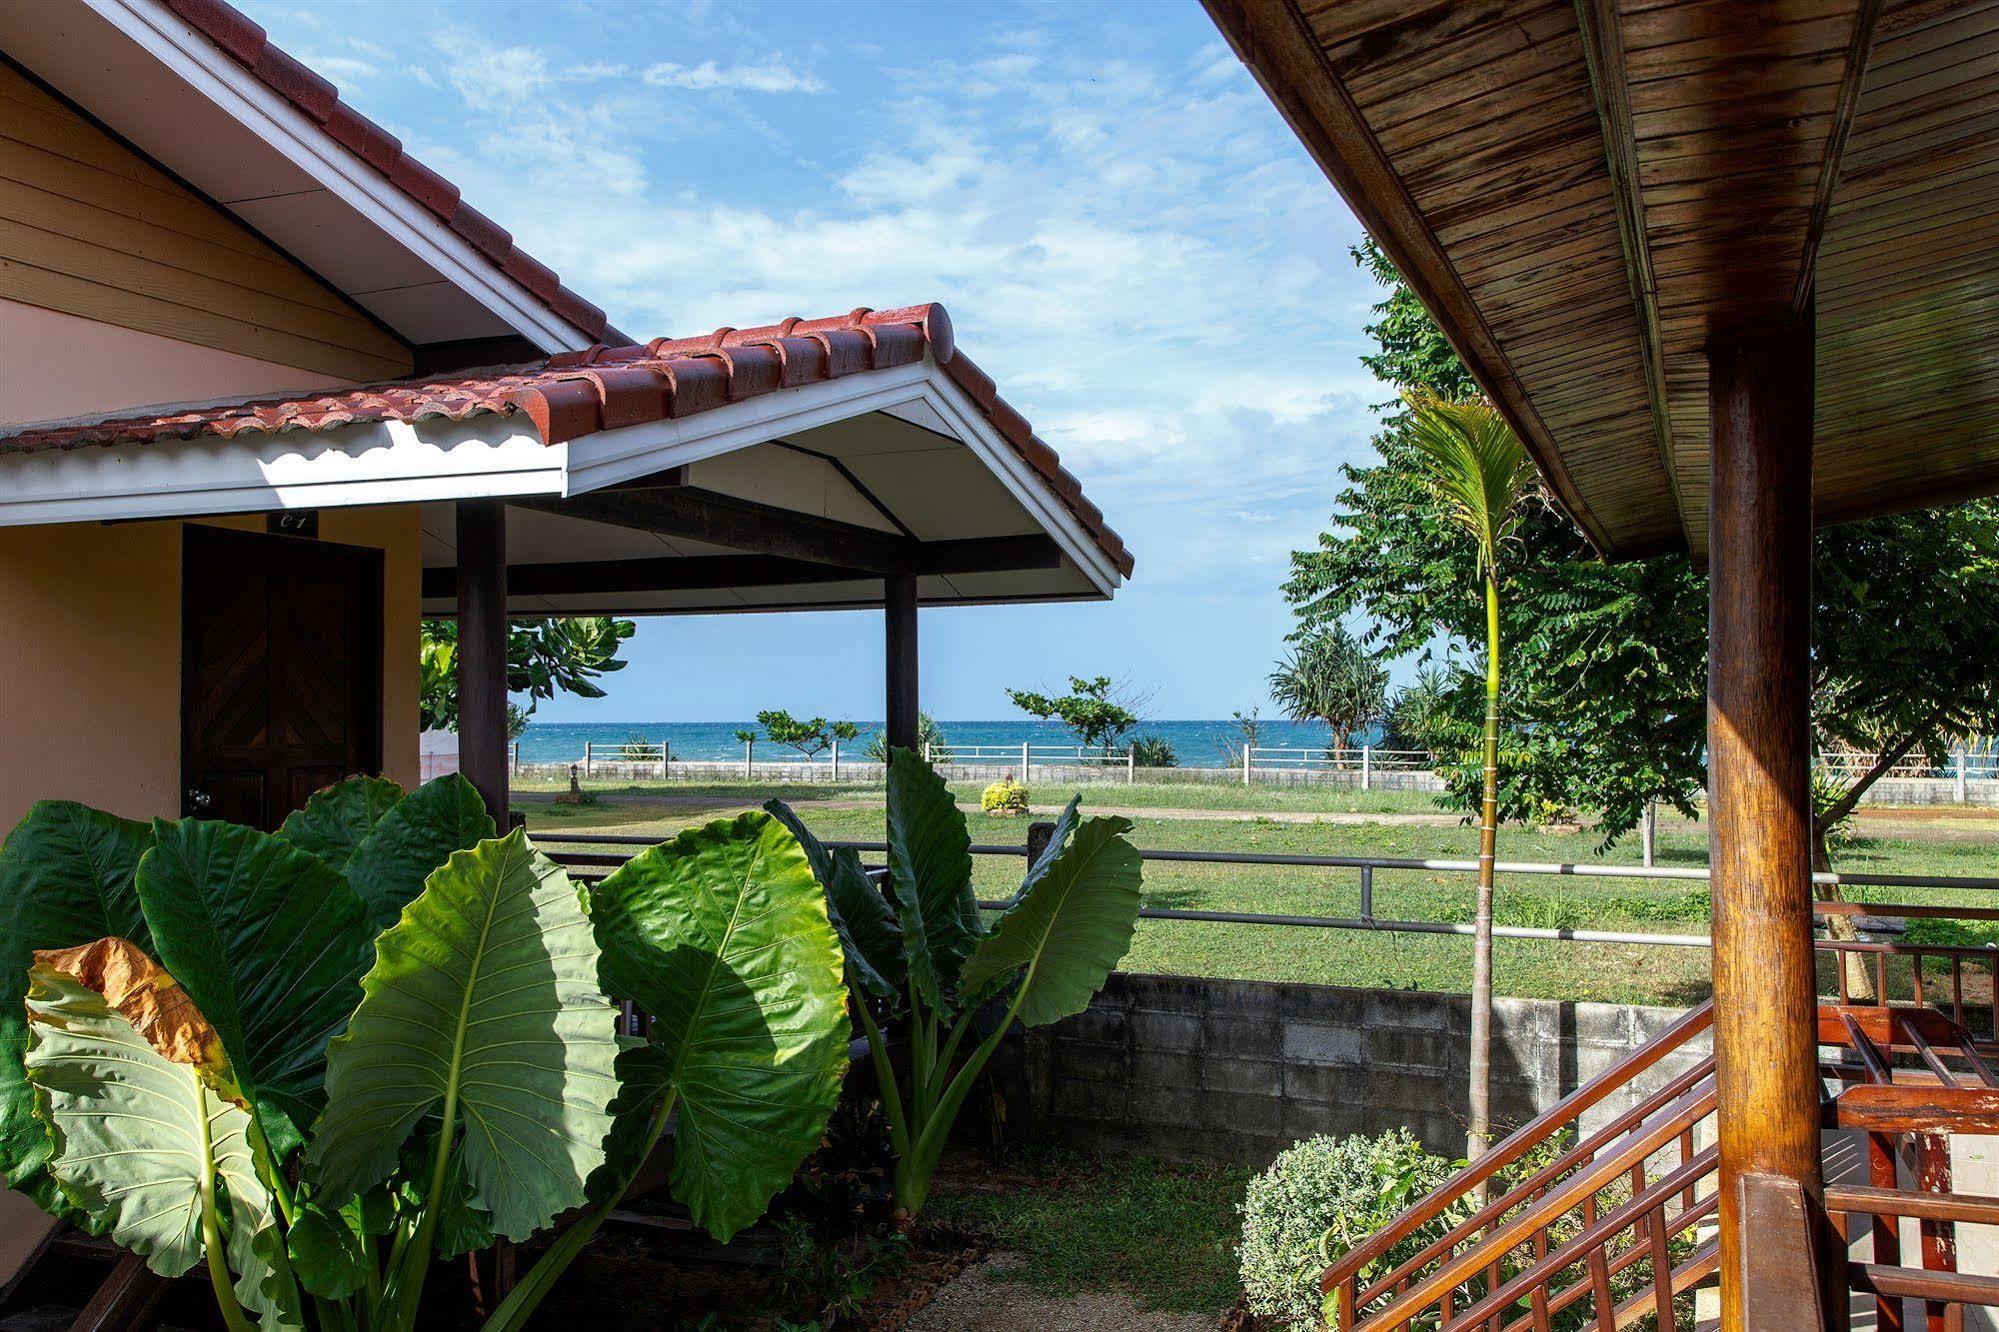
1196,741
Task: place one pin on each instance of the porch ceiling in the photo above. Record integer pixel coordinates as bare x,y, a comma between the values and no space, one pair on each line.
1583,191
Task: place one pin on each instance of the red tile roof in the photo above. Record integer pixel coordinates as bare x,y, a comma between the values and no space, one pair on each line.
574,394
246,43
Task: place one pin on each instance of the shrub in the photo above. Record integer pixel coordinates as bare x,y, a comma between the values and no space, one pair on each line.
1150,751
1004,799
641,748
1319,1198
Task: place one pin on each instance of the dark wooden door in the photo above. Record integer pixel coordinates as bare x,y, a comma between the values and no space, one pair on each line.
281,671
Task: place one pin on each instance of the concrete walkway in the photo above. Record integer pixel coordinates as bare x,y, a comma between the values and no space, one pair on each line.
984,1299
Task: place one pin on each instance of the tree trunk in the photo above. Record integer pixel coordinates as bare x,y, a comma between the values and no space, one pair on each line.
1488,852
1859,976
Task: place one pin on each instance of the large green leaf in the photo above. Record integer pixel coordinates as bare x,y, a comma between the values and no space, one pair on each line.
645,1076
861,915
141,1136
722,934
65,879
389,866
1069,930
930,865
484,992
270,943
338,818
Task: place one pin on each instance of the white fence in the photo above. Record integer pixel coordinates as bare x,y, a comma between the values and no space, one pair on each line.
1961,778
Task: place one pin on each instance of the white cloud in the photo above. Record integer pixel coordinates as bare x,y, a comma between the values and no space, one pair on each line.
770,76
1128,239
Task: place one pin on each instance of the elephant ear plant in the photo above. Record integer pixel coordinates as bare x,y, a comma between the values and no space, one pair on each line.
314,1061
921,953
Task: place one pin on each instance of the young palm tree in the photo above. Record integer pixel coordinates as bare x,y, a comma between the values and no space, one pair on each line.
1479,478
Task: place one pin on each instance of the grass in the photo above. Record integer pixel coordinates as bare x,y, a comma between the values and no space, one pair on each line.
1226,796
1528,968
1166,1233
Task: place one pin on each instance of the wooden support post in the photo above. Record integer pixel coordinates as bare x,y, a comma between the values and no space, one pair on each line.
1759,780
482,651
899,616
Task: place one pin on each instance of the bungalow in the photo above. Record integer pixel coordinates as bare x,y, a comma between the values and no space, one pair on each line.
273,392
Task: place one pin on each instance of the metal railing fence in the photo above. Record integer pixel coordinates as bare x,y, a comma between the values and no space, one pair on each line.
596,862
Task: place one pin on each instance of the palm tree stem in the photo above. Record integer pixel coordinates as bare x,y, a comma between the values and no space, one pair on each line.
1488,852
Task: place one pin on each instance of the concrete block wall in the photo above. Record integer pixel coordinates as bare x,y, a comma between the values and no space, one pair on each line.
1238,1070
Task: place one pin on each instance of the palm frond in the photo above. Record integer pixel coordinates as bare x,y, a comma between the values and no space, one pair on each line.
1474,466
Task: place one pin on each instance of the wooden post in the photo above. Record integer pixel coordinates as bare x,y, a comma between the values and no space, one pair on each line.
482,651
899,617
586,758
1759,780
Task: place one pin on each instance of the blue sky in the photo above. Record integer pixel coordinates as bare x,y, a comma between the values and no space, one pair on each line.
1125,233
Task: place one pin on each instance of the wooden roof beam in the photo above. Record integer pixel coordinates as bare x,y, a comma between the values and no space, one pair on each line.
1866,20
747,525
704,573
1602,31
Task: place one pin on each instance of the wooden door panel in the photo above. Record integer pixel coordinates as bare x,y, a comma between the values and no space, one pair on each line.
281,671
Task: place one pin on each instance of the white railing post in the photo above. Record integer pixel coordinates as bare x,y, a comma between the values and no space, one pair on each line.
748,770
586,758
1367,767
1026,757
1648,830
1962,755
1130,766
1247,750
836,760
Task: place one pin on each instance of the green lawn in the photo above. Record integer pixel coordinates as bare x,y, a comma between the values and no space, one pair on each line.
1550,969
1145,795
1166,1233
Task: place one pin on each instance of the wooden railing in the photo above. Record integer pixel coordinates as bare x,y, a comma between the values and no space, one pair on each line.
1608,1209
1611,1223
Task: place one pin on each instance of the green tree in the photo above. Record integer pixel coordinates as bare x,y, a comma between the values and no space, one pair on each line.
810,737
1605,705
1479,479
1416,713
544,658
1095,710
1329,677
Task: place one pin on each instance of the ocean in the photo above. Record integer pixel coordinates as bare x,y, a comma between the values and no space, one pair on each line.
1196,743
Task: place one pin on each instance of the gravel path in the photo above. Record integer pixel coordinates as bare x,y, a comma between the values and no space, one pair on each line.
982,1299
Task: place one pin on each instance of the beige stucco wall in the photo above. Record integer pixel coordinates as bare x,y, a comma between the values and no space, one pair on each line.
90,641
62,365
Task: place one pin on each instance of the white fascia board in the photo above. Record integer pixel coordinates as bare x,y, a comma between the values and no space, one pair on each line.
246,99
382,462
971,425
611,456
493,455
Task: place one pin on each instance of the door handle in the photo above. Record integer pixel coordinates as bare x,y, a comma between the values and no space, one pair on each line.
198,800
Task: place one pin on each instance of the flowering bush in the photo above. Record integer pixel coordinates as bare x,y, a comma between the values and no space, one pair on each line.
1004,799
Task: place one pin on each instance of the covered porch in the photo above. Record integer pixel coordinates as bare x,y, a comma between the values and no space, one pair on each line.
1728,270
